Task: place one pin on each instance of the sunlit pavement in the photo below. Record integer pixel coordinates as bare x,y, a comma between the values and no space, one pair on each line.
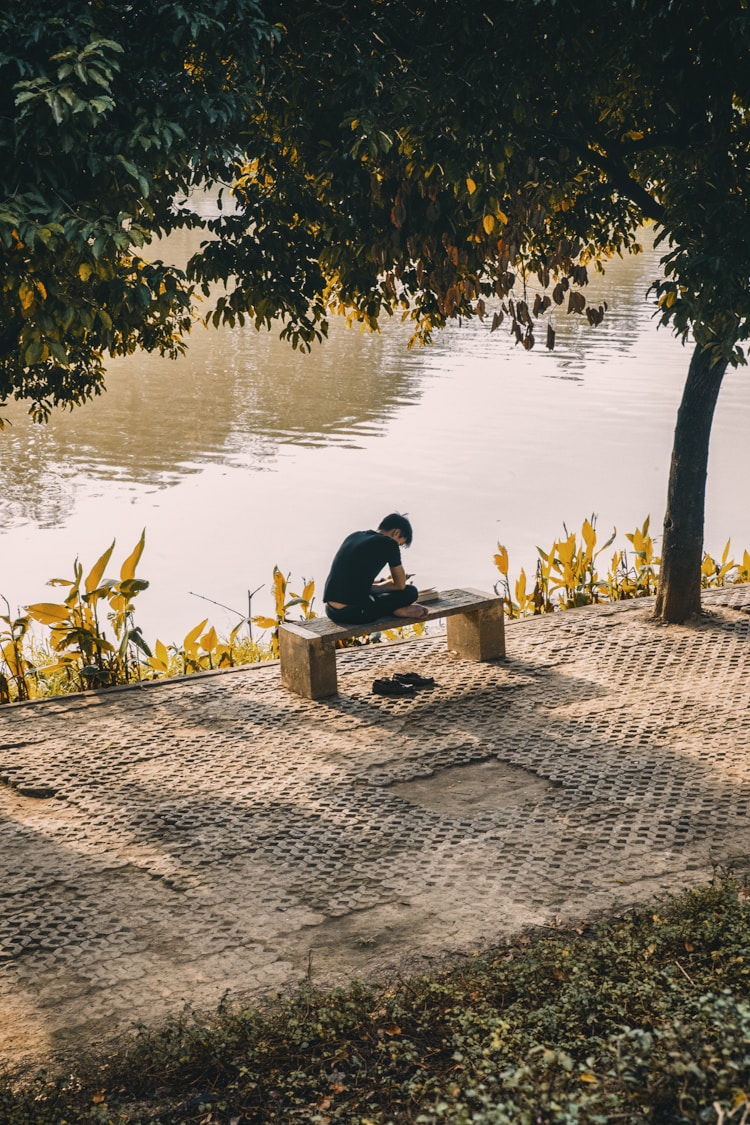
167,844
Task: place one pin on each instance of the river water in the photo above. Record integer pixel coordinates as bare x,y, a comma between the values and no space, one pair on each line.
245,454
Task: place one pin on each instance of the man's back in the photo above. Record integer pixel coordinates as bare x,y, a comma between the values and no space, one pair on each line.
356,565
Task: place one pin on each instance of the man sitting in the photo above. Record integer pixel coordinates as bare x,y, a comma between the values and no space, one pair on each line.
352,595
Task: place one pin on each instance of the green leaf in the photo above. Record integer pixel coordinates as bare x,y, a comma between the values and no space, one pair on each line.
102,104
33,353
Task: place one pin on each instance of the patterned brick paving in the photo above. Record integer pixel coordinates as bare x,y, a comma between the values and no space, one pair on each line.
163,845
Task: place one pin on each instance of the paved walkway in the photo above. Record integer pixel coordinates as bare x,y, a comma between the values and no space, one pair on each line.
167,844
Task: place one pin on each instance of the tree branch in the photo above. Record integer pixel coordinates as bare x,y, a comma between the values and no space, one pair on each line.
619,178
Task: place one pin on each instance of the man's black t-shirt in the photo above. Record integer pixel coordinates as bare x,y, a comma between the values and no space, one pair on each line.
357,563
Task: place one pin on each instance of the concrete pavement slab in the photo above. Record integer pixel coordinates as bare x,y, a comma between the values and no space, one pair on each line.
168,844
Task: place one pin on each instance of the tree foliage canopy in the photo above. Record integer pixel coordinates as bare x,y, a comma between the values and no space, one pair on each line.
385,155
440,152
109,113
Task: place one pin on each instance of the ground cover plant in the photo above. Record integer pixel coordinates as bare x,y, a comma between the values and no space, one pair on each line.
644,1018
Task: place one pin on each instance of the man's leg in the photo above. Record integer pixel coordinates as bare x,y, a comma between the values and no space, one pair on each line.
391,603
400,603
354,614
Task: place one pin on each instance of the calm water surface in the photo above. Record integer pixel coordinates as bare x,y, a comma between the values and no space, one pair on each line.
245,454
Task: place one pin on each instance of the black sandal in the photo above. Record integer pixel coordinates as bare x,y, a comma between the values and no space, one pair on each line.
414,679
391,687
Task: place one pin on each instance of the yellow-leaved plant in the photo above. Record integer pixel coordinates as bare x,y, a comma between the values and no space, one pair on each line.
567,575
282,605
77,636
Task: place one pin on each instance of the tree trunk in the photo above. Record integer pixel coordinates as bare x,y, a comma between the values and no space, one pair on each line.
679,593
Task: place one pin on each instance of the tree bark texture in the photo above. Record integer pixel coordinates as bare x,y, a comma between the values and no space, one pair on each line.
679,593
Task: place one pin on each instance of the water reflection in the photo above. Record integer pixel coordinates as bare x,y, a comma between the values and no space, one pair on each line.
234,398
237,396
345,392
623,289
245,454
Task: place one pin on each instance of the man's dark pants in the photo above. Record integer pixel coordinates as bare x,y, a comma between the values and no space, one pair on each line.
376,606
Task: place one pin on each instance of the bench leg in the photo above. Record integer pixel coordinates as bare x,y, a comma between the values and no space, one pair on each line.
308,667
479,635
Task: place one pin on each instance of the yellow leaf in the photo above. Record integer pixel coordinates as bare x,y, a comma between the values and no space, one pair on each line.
9,656
26,293
279,590
85,271
265,622
49,613
209,640
471,186
40,288
589,536
50,669
162,655
586,1077
131,562
97,570
193,635
488,222
501,559
566,550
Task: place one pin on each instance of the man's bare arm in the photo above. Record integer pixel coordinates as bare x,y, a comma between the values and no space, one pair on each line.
397,581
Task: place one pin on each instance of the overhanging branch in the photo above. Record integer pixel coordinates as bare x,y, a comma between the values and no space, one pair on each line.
620,179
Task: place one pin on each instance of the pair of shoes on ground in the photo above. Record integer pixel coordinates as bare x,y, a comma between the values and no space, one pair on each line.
402,683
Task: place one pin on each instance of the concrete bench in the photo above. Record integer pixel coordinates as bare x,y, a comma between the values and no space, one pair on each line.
474,627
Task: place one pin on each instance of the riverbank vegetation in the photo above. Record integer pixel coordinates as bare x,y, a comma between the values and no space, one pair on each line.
569,575
90,640
641,1019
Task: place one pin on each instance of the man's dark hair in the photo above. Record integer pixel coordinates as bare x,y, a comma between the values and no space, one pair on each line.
396,522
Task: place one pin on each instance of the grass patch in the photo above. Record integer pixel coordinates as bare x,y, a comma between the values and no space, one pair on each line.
645,1018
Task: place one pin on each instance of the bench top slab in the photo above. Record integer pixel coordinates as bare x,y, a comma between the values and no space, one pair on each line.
447,602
